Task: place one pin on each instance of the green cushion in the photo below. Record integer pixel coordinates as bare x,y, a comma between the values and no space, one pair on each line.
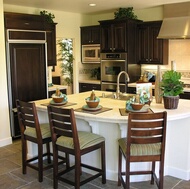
86,139
141,149
45,130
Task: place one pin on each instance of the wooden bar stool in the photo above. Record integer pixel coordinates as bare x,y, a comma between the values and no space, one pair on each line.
66,138
37,133
145,142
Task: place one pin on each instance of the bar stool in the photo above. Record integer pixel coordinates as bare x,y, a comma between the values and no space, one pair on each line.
37,133
145,142
66,138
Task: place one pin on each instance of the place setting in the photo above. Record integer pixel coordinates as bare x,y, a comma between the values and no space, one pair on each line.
59,99
137,104
92,105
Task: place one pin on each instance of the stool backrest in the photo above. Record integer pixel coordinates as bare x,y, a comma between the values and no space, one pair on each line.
63,123
147,128
28,117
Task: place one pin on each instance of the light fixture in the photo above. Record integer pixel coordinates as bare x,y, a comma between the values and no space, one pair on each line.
92,4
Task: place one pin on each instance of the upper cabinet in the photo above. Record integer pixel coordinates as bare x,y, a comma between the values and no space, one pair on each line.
90,35
115,34
151,50
51,43
33,27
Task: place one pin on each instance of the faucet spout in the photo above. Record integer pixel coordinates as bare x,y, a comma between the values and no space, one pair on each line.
118,77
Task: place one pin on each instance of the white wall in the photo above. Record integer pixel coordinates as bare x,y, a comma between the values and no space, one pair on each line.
5,136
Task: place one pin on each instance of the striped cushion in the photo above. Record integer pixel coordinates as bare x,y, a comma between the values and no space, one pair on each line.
141,149
86,139
45,130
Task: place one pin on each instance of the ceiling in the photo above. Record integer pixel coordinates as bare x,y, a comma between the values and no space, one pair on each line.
82,6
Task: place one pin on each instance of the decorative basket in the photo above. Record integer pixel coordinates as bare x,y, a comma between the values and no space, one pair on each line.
171,102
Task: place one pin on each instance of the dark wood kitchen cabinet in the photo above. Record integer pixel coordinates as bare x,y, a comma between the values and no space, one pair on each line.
116,35
33,25
51,43
83,87
151,50
90,35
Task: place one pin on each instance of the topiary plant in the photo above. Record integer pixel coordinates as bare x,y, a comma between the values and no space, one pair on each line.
125,13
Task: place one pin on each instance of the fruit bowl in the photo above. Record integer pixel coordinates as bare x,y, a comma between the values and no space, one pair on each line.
137,106
92,103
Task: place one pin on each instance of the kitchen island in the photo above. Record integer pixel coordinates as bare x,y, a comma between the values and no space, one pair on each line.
112,126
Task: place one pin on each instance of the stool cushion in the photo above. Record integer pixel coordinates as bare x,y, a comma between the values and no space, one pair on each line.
45,131
86,139
141,149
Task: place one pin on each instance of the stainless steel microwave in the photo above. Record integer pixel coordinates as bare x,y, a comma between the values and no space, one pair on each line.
91,53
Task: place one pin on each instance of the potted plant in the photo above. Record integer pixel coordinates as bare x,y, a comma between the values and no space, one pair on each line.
171,87
125,13
65,55
95,73
48,16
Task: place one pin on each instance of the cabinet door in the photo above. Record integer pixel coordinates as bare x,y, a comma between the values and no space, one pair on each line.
90,35
51,44
119,39
28,72
155,45
150,49
113,37
142,44
106,38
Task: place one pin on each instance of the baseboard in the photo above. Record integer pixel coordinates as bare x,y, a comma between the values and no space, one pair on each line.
178,173
5,141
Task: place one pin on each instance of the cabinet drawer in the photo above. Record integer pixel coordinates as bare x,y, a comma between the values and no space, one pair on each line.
83,87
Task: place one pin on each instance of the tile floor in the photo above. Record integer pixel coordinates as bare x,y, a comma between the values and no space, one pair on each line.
11,176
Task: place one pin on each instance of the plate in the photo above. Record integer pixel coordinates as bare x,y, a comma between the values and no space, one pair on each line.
58,104
85,107
142,110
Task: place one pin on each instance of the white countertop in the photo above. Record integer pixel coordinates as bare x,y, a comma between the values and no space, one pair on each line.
90,81
54,87
114,115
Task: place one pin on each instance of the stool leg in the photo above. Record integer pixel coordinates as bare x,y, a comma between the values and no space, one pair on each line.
103,159
40,162
48,153
24,155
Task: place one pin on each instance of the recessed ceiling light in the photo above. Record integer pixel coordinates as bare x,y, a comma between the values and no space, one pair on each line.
92,4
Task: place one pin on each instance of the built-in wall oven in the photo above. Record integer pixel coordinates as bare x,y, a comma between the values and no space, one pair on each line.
111,65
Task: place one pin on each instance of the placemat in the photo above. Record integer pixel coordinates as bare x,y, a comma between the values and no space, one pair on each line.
104,109
64,105
124,112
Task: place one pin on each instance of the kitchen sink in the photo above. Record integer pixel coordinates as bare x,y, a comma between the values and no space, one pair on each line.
122,96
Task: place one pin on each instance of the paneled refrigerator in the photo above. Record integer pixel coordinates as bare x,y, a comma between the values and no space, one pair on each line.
27,74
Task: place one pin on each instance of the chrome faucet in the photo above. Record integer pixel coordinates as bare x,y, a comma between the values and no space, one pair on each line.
118,77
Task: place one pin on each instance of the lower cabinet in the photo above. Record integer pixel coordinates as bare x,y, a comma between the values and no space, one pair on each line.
185,95
83,87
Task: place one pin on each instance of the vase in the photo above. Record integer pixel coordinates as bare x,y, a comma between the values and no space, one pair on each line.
157,90
171,102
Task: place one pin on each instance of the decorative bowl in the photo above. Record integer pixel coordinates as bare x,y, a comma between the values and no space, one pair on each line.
137,106
59,99
92,103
